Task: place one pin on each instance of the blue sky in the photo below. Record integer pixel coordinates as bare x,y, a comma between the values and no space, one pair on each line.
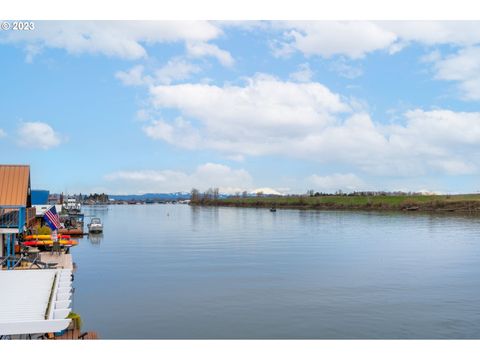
134,107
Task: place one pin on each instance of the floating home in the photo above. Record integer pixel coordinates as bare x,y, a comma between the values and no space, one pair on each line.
32,302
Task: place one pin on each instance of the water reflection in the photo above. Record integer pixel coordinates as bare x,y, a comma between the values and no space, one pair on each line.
95,238
178,271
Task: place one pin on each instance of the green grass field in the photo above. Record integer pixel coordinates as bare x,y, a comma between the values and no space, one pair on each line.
467,202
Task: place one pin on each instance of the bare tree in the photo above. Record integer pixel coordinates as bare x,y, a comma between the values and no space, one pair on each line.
209,194
195,194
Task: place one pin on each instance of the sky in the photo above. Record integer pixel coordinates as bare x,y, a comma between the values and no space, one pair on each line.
135,107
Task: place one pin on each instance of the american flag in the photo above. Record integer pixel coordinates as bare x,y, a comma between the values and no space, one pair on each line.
51,218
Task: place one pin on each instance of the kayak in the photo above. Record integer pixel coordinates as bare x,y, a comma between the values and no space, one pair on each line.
49,242
45,237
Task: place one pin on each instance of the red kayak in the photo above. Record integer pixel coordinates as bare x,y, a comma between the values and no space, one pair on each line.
49,242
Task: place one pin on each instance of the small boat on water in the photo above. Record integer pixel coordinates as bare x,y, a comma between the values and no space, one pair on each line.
72,224
95,226
72,206
273,209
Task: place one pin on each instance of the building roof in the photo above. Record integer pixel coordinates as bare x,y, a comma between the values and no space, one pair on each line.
40,197
14,184
34,301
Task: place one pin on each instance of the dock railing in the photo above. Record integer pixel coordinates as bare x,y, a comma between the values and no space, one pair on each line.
31,213
12,223
12,217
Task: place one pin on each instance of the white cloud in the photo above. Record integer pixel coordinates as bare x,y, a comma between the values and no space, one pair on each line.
460,33
264,108
205,176
201,49
303,74
175,69
2,133
38,135
327,38
267,116
462,67
334,182
355,39
180,132
432,56
346,70
134,77
124,39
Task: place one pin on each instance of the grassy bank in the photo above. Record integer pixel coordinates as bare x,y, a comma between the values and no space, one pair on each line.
447,203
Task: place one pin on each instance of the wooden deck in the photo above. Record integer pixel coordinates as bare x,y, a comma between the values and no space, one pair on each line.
77,335
63,260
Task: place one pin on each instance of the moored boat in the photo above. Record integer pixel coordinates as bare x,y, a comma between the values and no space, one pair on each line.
72,206
72,224
95,226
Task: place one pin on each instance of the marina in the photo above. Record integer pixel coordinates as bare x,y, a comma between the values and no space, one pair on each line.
187,271
36,265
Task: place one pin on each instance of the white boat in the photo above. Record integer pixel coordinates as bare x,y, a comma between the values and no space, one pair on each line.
72,205
95,226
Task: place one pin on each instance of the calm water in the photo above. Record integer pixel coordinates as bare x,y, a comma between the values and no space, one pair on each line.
175,271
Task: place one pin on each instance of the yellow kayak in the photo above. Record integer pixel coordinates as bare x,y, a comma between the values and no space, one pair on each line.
45,237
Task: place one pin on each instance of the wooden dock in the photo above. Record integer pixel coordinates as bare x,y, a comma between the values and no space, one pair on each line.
63,261
75,334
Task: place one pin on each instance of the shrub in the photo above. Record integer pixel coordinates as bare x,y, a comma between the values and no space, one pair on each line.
44,230
76,320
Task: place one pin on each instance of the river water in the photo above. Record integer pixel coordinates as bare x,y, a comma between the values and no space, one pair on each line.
182,272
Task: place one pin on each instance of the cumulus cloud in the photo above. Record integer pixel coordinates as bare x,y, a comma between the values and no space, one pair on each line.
460,33
134,77
303,74
264,108
327,38
201,49
462,67
175,69
205,176
180,132
355,39
124,39
267,116
38,135
336,181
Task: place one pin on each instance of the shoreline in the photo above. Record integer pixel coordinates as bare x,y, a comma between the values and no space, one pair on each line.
429,204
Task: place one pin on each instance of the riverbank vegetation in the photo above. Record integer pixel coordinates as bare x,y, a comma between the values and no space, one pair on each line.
354,201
